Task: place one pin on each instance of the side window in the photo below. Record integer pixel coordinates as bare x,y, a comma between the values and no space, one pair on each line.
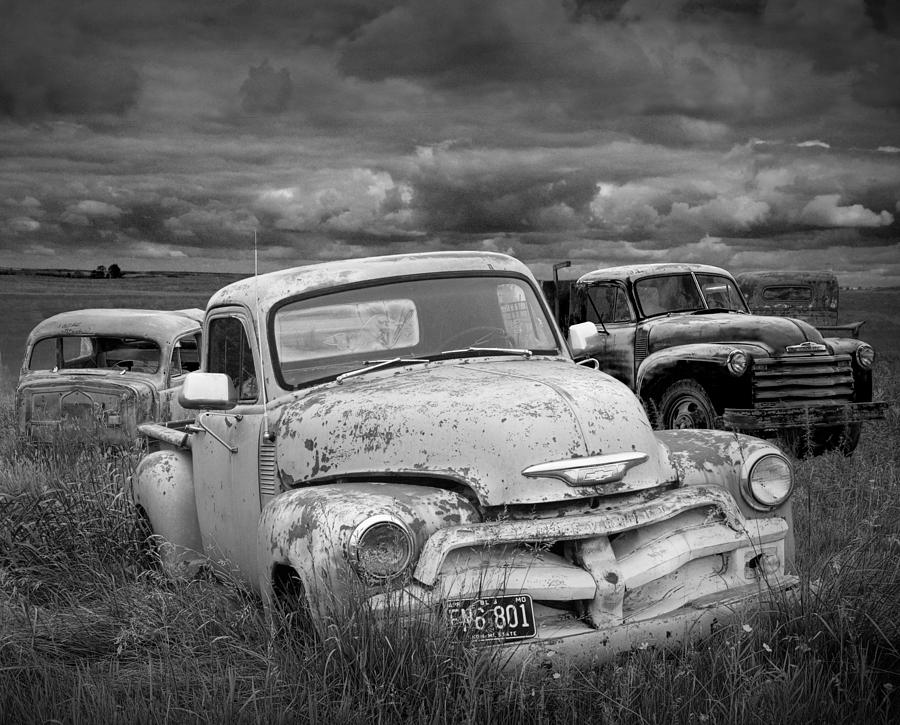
610,304
230,353
185,356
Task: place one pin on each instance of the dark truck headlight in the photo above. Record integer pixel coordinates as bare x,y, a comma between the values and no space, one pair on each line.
865,356
768,483
737,362
381,548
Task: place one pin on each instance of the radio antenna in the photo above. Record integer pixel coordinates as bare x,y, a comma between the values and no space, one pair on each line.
261,376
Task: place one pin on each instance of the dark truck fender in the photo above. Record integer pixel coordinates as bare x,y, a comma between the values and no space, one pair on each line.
163,491
704,362
306,537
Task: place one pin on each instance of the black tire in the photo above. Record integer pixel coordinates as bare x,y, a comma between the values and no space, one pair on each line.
685,404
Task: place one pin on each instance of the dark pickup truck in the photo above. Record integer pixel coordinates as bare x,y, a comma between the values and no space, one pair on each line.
683,338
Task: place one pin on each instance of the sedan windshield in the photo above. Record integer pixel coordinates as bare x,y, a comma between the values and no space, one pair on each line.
688,293
92,352
326,336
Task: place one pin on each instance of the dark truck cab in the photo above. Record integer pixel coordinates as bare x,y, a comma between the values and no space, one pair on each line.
683,338
810,296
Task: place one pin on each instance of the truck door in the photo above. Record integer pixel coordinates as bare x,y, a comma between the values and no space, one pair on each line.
226,447
606,304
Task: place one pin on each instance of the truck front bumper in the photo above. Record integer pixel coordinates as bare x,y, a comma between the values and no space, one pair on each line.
802,416
569,643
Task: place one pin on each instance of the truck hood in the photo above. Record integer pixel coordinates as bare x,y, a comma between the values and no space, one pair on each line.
773,334
116,404
476,423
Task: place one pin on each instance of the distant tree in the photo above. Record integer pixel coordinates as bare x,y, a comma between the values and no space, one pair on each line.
99,273
113,271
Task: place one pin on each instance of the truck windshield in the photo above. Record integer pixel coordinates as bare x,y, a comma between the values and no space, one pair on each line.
688,293
324,336
85,352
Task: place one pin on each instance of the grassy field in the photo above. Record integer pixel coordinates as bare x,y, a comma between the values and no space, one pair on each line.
91,632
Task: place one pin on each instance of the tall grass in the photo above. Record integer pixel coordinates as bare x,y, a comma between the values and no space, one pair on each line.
90,631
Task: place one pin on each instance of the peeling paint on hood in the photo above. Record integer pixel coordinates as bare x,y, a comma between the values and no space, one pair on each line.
480,422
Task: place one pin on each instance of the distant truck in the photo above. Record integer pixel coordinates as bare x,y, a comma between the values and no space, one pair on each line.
682,337
810,296
106,371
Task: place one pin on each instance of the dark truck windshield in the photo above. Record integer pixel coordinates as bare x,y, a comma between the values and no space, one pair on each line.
325,336
82,352
683,293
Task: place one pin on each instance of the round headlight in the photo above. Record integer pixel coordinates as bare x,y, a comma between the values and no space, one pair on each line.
381,548
865,356
737,362
769,483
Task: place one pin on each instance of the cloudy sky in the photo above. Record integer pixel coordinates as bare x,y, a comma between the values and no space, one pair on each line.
160,134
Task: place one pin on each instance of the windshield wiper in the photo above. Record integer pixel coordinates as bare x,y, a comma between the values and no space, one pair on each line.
370,365
485,350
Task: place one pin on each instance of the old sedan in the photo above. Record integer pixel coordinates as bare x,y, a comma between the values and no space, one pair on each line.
106,371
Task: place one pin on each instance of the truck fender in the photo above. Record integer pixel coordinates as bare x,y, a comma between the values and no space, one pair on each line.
714,458
701,360
163,490
308,532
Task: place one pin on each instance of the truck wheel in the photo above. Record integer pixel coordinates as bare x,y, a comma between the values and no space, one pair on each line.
685,404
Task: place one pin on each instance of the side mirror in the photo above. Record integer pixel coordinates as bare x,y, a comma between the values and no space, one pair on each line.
207,391
583,337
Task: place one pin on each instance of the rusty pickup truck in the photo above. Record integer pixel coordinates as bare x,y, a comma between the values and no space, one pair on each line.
682,337
412,433
103,372
810,296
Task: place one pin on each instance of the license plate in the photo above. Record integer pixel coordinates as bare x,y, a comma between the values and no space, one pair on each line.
492,619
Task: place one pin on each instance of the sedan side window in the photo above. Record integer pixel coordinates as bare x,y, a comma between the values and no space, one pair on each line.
230,353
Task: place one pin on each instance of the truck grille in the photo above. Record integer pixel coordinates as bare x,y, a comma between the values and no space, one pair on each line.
802,380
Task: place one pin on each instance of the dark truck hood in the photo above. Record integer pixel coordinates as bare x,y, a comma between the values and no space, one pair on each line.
773,334
115,404
477,422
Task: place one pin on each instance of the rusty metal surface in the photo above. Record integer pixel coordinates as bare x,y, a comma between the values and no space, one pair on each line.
766,293
636,271
803,416
268,289
161,326
479,422
113,394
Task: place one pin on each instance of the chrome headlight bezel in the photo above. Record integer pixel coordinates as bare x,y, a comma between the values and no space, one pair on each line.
764,489
737,363
361,542
865,356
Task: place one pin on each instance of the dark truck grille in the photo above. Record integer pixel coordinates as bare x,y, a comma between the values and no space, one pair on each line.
802,380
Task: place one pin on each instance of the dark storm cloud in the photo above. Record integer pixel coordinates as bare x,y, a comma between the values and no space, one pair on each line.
736,131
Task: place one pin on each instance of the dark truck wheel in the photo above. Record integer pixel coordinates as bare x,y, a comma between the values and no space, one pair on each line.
685,404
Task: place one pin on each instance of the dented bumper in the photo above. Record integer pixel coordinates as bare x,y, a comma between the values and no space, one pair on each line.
802,416
700,618
658,571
